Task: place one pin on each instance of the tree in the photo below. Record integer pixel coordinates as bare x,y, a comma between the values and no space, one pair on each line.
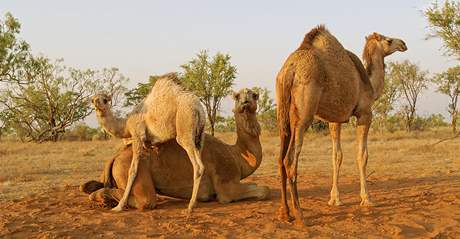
211,80
13,51
444,22
57,97
411,81
113,83
136,95
385,104
448,83
266,109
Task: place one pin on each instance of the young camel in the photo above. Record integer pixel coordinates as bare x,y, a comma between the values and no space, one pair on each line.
168,112
225,166
322,79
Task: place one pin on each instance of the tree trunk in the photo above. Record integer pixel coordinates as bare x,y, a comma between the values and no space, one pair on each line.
212,128
454,122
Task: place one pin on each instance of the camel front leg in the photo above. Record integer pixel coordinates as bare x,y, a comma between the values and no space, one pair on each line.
337,156
231,192
137,147
361,133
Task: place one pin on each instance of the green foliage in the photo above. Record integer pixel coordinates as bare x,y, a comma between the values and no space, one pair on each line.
211,80
448,83
226,124
266,109
410,81
136,95
385,104
80,132
14,52
444,22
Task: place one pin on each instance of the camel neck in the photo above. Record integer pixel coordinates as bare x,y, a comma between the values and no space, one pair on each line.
247,146
113,125
376,73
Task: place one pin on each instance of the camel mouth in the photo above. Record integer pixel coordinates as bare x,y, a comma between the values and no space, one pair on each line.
247,107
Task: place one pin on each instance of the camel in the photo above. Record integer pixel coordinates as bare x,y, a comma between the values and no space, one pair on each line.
323,80
169,171
168,112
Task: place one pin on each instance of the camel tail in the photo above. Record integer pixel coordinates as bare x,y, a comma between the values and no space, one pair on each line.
284,83
199,134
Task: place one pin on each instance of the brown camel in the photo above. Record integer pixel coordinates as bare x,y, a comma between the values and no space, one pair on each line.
322,79
169,171
168,112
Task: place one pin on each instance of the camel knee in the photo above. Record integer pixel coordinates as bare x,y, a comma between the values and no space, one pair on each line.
91,186
223,199
264,193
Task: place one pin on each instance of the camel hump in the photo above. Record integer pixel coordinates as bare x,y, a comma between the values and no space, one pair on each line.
310,37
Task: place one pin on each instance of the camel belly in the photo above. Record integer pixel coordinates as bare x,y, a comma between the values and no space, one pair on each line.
338,101
172,173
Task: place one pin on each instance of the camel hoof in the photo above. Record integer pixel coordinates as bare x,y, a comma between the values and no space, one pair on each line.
299,223
117,209
367,203
335,202
283,215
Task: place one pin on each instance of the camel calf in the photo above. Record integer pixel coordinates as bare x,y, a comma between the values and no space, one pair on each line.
168,112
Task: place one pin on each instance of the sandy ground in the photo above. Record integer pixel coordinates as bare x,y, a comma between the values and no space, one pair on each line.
416,190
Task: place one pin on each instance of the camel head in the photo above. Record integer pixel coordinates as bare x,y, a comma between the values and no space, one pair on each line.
102,102
384,44
245,101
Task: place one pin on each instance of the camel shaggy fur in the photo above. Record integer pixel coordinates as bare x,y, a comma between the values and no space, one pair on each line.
322,79
168,112
168,172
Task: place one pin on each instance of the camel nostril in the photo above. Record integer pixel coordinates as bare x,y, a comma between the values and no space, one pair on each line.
246,102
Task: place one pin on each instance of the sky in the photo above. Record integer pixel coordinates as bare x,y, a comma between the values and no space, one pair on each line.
144,38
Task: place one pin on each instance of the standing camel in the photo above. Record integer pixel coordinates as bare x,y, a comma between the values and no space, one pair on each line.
168,112
322,79
226,165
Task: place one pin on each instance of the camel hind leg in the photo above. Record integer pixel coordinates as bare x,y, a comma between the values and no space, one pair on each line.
190,136
301,114
194,155
283,212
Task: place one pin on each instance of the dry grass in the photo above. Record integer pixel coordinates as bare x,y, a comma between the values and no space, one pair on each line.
415,186
29,168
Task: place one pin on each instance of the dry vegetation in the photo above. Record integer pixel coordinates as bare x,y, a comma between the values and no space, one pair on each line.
416,188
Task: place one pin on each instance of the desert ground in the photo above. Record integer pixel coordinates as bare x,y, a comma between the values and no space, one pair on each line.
415,188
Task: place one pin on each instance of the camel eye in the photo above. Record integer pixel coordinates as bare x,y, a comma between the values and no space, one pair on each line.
105,101
389,41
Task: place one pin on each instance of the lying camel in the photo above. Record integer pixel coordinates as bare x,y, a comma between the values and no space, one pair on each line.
168,112
168,172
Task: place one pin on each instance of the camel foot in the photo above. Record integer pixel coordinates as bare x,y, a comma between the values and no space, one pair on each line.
366,203
335,202
283,215
299,222
118,208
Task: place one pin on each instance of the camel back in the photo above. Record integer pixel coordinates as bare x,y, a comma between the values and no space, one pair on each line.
328,49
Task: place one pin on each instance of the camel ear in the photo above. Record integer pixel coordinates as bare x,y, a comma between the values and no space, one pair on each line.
236,96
